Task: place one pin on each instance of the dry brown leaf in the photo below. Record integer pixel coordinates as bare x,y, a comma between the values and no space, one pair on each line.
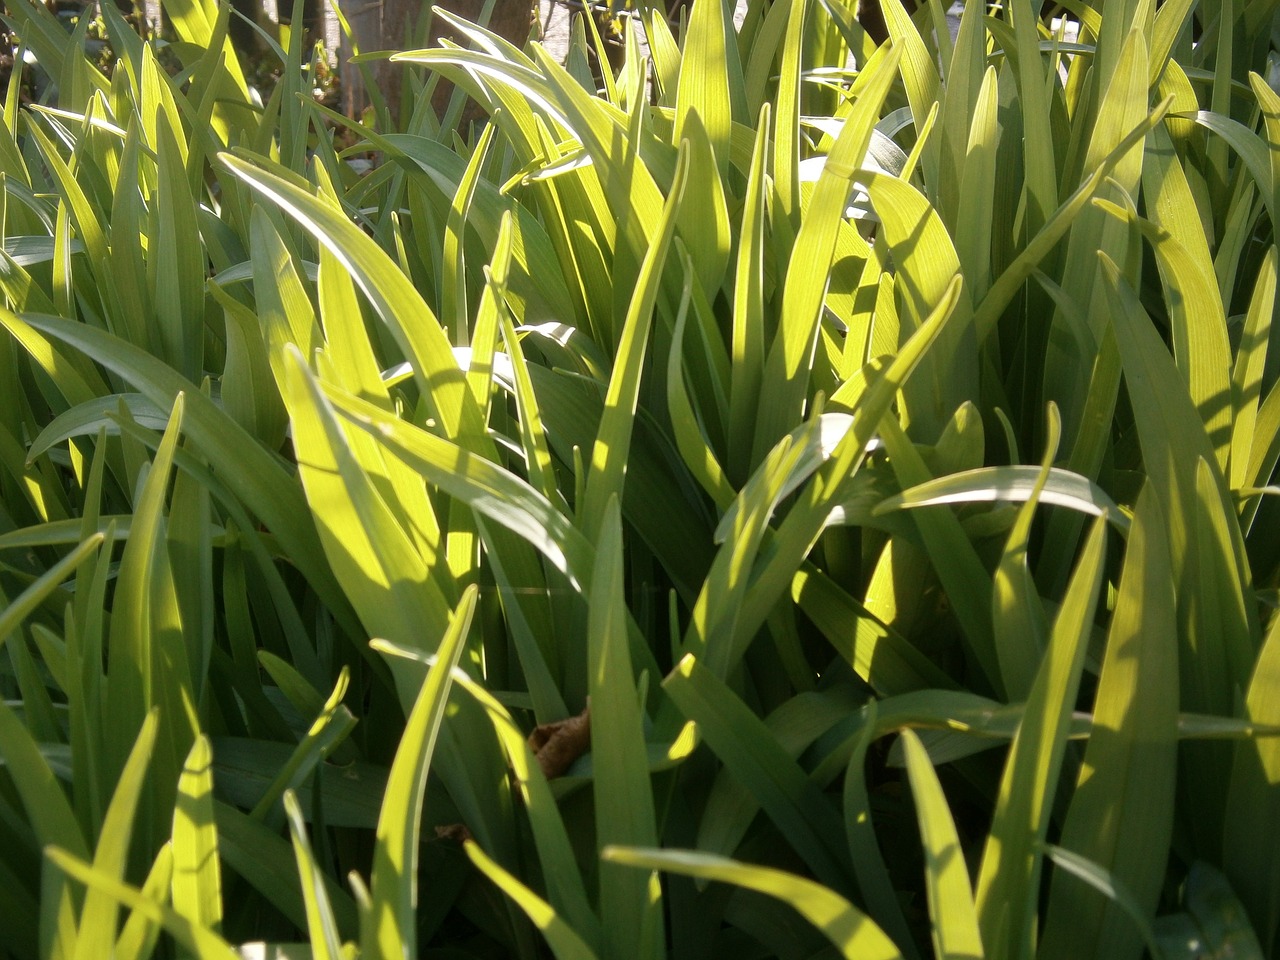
556,745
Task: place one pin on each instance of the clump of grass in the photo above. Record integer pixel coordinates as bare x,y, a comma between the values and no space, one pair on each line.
770,482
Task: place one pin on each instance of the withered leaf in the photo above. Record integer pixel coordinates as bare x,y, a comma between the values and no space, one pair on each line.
556,745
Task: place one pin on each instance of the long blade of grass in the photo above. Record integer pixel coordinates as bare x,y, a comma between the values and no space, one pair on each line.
141,636
1009,875
951,907
1252,798
252,473
111,858
321,924
854,934
371,553
621,786
1121,816
495,493
561,938
197,878
391,930
747,748
1012,484
609,454
1246,378
790,356
389,291
27,602
201,942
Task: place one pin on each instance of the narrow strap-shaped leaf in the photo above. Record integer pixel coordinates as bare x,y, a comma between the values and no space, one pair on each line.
391,931
1252,798
492,491
98,918
199,940
1247,374
136,629
563,940
87,221
197,877
453,287
919,76
258,479
1121,815
790,355
710,78
27,602
330,726
748,343
812,512
747,748
953,556
609,454
854,934
321,925
1013,484
874,882
950,895
138,938
370,551
698,454
1008,879
400,306
1018,615
621,786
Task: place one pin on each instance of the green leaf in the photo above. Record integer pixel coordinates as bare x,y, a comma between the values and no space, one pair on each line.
1008,880
390,292
1121,816
1007,285
327,731
1012,484
1252,800
870,397
621,788
391,928
790,356
607,469
146,657
561,938
176,264
1247,374
249,471
201,942
955,920
320,920
30,600
853,933
703,218
111,858
754,757
138,939
1017,615
197,879
491,491
387,579
1107,886
710,84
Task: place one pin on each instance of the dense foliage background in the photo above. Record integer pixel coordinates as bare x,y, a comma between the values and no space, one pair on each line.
757,503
